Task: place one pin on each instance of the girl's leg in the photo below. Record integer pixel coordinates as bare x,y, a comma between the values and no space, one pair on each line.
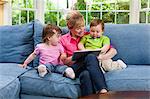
97,77
64,70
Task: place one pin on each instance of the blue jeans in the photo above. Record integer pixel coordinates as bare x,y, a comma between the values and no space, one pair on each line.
56,68
90,75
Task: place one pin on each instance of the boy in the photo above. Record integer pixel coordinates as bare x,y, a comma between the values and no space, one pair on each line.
96,40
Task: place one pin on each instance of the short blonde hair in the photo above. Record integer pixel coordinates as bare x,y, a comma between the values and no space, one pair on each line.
72,18
71,13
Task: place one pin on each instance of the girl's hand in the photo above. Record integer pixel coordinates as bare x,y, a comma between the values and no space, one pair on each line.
23,65
68,61
63,57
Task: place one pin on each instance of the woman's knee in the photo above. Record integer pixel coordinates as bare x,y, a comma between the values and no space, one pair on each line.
85,74
90,57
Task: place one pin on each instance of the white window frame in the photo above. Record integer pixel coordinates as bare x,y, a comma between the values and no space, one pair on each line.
146,10
8,12
39,12
101,11
134,11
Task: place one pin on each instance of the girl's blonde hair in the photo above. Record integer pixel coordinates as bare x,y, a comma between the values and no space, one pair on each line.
48,31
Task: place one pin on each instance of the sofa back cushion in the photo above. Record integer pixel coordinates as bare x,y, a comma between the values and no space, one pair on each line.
38,29
16,43
132,42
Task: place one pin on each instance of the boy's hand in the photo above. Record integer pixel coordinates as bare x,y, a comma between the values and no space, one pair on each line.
23,65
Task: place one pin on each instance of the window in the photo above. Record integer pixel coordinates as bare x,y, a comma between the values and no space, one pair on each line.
111,11
23,11
54,11
145,11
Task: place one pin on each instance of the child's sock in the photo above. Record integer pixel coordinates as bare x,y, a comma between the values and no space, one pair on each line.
42,70
69,73
42,74
122,64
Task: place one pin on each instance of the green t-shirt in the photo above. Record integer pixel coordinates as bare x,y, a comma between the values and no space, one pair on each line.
94,43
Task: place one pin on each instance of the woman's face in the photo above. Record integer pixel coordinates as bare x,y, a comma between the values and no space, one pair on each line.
78,29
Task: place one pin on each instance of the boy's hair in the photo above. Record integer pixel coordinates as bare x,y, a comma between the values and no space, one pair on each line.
73,17
96,22
48,31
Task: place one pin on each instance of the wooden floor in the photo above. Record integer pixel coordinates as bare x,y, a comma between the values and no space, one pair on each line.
120,95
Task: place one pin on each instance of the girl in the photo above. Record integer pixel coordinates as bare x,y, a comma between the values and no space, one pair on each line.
51,54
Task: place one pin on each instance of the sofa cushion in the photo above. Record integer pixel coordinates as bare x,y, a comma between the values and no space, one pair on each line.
132,78
38,29
11,69
16,42
9,87
9,83
132,42
51,85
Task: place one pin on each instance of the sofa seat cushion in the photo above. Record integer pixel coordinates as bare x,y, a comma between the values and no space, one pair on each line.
51,85
132,78
9,87
16,42
11,69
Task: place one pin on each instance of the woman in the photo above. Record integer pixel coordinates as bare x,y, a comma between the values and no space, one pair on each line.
90,75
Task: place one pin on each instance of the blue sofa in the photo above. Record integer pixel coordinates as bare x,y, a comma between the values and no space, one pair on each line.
17,42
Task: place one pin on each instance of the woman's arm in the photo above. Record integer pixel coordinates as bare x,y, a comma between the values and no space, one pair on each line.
105,48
